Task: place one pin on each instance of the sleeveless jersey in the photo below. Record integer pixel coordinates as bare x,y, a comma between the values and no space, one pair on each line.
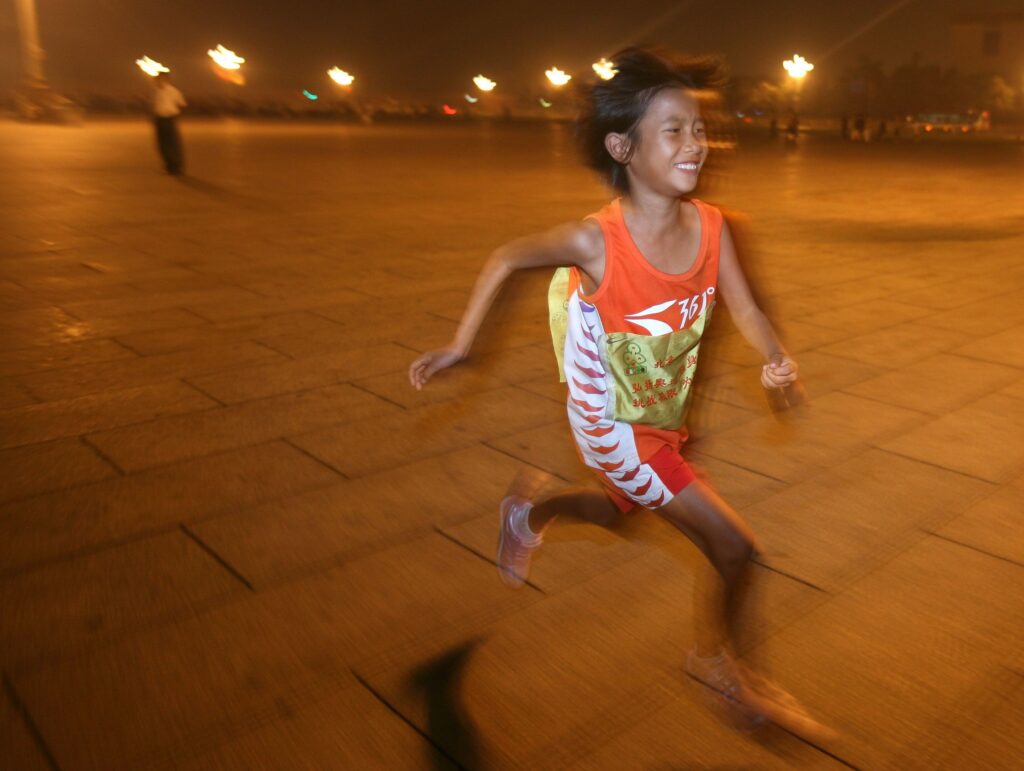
629,351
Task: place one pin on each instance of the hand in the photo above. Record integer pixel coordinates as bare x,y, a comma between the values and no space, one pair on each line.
780,372
421,370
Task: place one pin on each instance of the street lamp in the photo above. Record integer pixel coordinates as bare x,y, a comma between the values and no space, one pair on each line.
340,77
604,69
557,77
35,100
151,67
797,67
484,83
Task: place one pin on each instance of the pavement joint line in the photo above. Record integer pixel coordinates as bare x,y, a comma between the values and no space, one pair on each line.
517,459
85,551
973,548
205,393
102,456
311,456
33,729
790,576
887,404
397,713
990,361
365,390
995,485
485,558
216,557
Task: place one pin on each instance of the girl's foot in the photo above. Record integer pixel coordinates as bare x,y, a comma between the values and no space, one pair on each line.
755,697
516,543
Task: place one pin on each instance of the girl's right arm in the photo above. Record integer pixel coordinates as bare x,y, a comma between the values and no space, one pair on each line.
578,243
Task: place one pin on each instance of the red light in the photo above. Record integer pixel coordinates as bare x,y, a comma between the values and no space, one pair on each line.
449,110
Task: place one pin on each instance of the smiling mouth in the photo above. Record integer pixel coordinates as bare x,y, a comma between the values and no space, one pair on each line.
690,166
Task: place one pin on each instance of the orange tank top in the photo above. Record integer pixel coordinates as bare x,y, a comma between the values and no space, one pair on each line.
647,331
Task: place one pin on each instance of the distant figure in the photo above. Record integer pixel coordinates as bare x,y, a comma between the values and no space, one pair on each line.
167,104
773,127
859,135
844,126
882,128
793,127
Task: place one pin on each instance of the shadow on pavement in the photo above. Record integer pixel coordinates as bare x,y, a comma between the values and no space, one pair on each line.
450,727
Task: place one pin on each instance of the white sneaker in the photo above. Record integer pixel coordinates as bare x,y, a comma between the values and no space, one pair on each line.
514,553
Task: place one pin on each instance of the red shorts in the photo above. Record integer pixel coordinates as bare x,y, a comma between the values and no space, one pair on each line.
674,472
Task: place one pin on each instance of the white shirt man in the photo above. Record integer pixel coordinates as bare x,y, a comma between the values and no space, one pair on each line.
167,100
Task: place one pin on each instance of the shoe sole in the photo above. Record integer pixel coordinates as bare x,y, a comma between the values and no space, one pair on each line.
510,579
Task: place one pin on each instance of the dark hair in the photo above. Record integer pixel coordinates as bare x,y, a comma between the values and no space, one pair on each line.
618,104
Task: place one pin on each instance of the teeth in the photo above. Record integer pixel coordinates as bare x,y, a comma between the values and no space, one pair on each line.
688,166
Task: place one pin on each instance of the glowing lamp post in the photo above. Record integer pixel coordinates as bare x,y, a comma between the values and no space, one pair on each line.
227,64
797,67
604,69
484,83
151,67
341,77
557,77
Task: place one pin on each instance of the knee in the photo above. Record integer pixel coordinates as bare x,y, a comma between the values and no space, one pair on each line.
734,553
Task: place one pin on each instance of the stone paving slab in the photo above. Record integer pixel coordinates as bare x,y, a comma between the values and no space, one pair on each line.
257,381
869,316
63,523
983,317
820,374
845,522
981,439
937,384
1006,347
65,329
898,345
337,523
994,525
180,437
38,358
98,411
435,429
12,395
417,331
20,749
557,680
798,336
41,468
690,732
479,373
70,382
910,640
802,442
150,342
347,729
272,652
1015,390
66,605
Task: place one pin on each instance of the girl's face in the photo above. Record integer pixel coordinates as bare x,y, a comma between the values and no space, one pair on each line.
670,145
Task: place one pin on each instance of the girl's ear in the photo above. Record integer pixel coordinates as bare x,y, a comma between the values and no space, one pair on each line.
619,147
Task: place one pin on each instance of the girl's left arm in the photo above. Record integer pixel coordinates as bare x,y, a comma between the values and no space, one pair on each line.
780,369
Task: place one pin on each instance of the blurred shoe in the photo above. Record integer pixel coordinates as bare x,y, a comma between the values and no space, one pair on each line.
724,676
755,698
515,544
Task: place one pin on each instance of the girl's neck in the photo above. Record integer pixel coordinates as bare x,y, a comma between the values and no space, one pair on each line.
655,214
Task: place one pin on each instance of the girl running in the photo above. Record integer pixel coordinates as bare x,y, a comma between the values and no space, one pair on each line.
643,277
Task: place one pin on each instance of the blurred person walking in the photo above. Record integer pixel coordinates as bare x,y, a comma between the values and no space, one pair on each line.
633,292
167,104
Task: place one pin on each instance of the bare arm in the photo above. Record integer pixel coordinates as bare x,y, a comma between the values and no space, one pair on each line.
578,243
750,320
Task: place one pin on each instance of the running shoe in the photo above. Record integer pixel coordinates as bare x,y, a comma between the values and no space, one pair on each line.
514,553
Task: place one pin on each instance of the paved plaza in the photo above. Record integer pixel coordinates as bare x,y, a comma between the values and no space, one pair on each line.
233,536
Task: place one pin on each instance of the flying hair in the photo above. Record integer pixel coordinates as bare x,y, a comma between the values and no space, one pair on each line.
618,104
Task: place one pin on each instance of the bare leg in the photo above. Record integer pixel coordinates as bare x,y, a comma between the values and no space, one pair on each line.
578,502
728,543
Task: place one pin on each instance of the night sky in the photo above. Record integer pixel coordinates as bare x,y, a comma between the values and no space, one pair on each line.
422,49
